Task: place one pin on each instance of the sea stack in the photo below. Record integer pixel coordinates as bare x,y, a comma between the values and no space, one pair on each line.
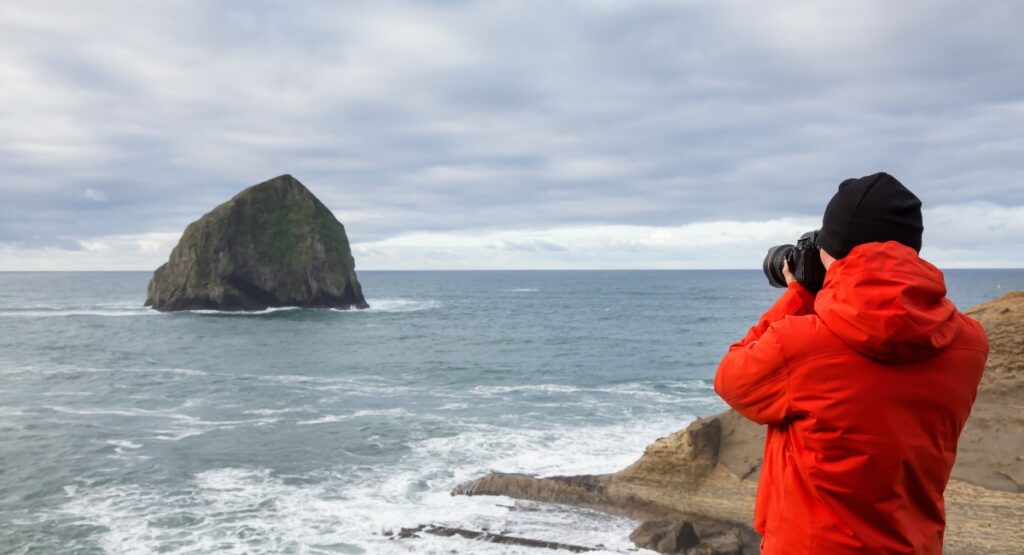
273,244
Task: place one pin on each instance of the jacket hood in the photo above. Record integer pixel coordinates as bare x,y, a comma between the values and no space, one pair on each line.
888,303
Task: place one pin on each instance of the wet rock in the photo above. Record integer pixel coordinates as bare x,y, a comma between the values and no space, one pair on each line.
492,537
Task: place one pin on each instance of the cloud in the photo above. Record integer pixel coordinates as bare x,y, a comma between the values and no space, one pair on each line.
472,118
94,195
144,251
704,245
527,246
955,236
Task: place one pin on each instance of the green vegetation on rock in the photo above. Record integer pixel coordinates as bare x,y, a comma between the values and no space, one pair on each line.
273,244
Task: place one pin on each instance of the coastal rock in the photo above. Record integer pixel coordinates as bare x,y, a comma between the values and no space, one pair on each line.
686,456
483,535
665,536
991,449
728,542
707,473
273,244
680,477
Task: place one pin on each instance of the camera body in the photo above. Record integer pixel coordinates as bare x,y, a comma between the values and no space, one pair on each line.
804,261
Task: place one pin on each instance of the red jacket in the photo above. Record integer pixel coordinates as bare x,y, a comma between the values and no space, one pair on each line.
865,390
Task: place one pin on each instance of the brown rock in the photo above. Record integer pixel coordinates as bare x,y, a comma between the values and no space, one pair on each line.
686,456
728,542
992,443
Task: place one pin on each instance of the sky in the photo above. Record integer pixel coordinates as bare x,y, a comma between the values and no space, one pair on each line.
513,134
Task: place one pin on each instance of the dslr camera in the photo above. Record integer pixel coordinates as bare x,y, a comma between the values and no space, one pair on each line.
804,262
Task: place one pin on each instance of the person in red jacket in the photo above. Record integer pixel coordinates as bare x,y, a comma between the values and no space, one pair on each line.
865,387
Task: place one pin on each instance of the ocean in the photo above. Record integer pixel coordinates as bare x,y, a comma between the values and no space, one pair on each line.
124,430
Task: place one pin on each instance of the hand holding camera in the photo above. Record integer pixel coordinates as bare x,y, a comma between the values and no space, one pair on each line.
802,263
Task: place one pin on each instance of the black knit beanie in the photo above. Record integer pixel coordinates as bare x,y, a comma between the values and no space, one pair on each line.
873,208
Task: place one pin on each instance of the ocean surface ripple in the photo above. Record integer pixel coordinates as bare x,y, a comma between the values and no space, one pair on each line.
124,430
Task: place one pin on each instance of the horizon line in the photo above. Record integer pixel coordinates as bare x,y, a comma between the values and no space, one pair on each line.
745,269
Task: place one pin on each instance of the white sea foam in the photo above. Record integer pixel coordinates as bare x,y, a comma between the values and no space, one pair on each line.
271,412
91,370
491,390
587,450
182,371
168,425
522,290
132,412
244,510
136,309
376,305
64,312
124,444
263,312
252,510
349,385
399,305
642,391
330,418
326,419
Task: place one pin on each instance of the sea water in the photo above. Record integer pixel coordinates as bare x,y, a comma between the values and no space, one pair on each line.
124,430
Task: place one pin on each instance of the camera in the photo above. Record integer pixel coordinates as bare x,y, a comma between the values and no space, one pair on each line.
804,262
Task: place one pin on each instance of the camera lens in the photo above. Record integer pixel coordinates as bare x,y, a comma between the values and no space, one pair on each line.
773,264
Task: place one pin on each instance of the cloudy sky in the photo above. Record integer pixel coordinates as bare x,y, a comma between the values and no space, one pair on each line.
518,134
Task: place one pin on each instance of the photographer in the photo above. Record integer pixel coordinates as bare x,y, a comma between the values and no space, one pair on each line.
865,374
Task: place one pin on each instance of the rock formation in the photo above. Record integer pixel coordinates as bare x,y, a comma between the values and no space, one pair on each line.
706,474
273,244
991,449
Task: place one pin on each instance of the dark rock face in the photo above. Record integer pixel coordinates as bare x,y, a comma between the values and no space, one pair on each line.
273,244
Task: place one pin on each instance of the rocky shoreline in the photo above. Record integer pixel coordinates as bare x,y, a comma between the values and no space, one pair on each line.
693,491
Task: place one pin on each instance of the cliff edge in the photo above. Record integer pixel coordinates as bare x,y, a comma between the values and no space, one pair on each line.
695,488
273,244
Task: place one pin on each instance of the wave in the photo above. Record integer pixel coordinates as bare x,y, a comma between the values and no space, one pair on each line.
263,312
350,385
331,418
348,508
276,515
89,370
399,305
270,412
669,392
136,309
168,424
122,446
376,305
64,312
522,290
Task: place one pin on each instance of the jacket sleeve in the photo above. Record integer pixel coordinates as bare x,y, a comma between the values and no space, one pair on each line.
752,376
